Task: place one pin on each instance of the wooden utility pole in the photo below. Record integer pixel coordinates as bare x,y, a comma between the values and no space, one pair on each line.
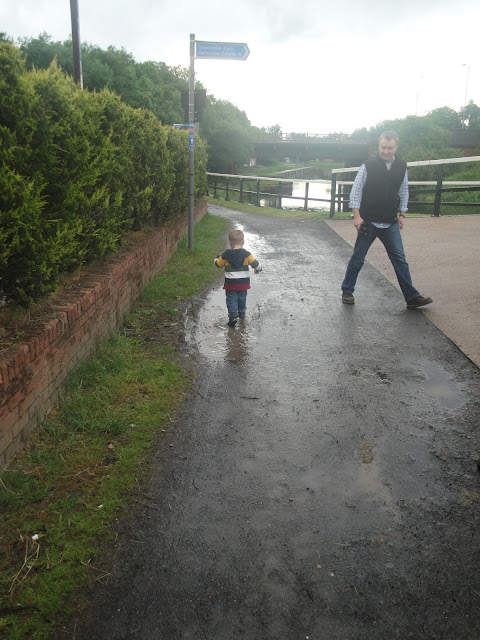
77,57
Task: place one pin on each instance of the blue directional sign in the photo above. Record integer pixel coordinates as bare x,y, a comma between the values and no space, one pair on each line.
221,50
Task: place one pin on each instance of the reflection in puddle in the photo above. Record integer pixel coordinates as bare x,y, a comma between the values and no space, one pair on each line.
229,343
236,345
253,243
441,387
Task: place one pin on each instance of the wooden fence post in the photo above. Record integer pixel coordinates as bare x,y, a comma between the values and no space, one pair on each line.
305,205
333,189
438,191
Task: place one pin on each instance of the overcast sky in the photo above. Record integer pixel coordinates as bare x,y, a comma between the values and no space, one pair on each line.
314,66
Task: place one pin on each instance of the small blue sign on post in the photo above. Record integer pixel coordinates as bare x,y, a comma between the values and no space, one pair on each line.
191,135
221,50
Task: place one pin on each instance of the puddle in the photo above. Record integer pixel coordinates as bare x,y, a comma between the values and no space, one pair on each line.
257,245
440,386
206,327
230,344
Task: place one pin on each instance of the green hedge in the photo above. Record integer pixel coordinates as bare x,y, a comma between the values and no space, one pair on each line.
78,171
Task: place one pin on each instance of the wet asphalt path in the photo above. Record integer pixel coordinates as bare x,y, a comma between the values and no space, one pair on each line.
321,482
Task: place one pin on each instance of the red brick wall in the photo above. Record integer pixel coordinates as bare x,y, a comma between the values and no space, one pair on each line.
33,375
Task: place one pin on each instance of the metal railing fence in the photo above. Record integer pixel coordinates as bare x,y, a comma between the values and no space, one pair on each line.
228,183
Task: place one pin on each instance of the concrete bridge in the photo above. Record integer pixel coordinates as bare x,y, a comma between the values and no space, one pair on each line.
340,147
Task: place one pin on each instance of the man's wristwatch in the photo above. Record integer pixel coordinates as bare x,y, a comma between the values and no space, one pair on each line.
401,214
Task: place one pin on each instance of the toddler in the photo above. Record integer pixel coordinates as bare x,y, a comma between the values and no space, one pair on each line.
236,262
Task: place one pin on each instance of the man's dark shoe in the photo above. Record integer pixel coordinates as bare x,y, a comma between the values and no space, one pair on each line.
241,315
347,298
419,301
232,321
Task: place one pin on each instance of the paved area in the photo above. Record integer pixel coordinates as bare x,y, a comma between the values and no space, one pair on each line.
444,258
321,482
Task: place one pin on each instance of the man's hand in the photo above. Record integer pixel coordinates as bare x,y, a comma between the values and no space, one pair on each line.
357,220
401,222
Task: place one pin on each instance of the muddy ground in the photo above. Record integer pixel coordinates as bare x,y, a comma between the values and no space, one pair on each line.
321,482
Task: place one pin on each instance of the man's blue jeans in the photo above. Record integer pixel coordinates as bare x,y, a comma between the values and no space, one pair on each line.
236,302
392,241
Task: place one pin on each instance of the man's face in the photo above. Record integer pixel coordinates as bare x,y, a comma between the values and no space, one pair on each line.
387,149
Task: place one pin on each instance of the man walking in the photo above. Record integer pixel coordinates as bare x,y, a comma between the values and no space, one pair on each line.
379,193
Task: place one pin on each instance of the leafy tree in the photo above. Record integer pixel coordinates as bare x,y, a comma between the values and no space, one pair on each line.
445,117
181,73
470,115
147,85
227,132
275,131
362,133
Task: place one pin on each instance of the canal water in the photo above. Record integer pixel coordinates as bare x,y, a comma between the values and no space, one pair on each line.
320,189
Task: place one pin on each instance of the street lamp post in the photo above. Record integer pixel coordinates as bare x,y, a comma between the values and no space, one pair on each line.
466,93
466,83
418,91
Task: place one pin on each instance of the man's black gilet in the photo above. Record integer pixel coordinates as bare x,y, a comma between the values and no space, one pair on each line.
380,198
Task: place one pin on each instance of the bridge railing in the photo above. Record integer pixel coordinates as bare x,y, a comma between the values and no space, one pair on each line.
337,138
340,189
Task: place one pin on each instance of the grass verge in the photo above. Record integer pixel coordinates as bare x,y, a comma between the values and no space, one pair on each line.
61,496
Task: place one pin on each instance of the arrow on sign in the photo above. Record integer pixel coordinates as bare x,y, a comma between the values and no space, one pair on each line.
221,50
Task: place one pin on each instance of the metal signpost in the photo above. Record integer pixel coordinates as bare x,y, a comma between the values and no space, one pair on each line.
212,51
